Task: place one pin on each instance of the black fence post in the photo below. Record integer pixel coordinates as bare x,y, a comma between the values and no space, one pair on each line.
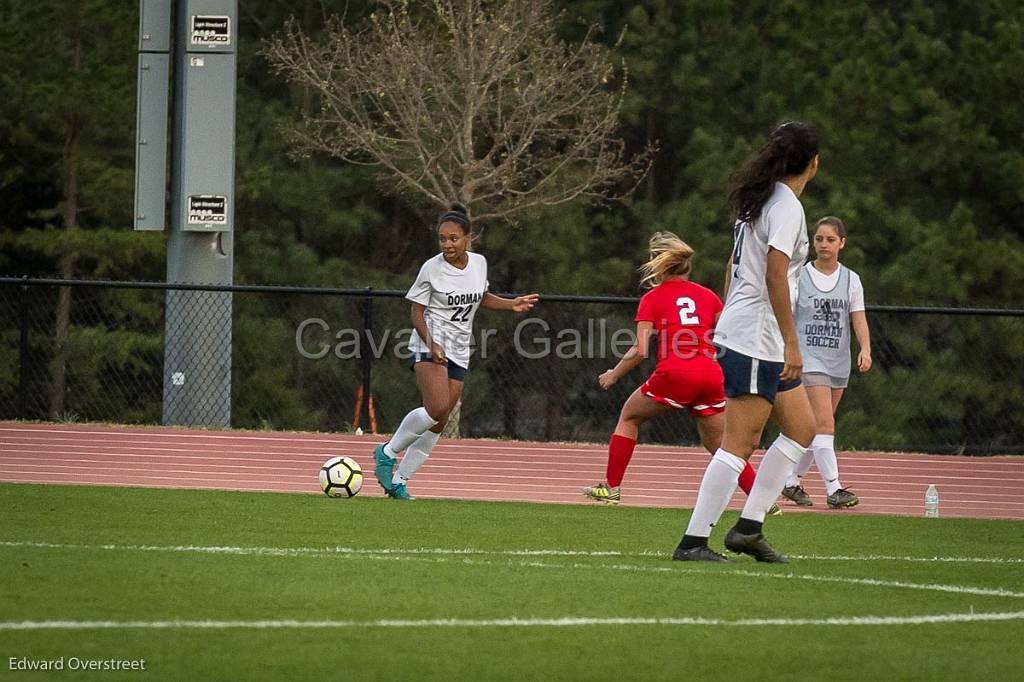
366,355
23,349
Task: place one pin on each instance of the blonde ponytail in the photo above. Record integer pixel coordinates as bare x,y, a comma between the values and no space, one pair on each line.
670,256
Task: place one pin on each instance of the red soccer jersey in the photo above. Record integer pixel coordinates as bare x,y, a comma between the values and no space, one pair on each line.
683,314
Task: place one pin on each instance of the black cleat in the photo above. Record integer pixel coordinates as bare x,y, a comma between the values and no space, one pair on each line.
796,493
702,553
842,498
755,545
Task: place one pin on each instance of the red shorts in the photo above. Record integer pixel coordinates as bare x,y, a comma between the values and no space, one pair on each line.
702,392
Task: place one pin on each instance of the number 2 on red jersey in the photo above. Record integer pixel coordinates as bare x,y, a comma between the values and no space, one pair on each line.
687,311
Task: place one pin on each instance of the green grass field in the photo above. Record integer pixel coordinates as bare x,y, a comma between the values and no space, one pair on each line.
376,572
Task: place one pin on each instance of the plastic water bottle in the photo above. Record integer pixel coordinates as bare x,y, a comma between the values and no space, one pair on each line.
931,502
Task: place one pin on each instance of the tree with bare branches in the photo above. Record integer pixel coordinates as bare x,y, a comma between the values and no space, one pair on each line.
476,101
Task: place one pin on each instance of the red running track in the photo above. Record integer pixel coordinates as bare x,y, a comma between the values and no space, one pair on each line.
659,476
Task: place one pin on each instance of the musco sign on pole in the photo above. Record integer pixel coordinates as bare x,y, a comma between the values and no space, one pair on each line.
210,31
207,209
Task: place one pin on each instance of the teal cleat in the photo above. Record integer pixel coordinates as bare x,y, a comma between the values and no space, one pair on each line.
383,467
399,492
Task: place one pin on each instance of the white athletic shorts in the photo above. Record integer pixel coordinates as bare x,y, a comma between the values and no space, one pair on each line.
821,379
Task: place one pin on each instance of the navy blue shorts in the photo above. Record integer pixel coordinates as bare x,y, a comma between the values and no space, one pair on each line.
456,372
745,375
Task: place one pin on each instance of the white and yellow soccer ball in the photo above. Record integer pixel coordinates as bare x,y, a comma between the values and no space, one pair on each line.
341,477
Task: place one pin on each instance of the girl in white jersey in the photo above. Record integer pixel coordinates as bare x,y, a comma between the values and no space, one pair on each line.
757,344
831,300
445,296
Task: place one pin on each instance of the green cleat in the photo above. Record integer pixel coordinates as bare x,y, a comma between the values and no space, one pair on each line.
602,493
398,492
383,467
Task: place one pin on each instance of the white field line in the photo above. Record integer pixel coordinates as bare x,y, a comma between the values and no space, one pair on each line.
485,444
441,555
870,582
931,559
501,622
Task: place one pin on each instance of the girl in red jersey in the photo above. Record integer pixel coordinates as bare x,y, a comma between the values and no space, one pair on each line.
683,315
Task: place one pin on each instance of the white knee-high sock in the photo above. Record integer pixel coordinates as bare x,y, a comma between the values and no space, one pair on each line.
801,468
825,457
772,473
415,456
716,489
411,428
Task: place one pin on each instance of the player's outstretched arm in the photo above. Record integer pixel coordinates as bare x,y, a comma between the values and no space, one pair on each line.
633,357
519,304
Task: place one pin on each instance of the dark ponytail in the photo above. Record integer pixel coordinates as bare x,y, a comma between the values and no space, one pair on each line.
458,214
790,149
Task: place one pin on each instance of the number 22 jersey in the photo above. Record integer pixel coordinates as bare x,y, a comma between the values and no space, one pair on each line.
451,297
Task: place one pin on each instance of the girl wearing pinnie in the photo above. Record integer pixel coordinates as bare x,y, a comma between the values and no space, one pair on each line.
445,296
829,303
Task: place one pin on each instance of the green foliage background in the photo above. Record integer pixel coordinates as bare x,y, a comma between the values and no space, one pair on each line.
919,108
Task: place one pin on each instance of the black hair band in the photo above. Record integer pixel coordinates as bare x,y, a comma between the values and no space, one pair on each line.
455,217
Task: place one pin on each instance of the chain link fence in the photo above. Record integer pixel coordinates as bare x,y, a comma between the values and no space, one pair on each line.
944,380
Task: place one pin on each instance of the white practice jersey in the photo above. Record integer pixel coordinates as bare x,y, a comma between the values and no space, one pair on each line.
827,283
748,324
451,296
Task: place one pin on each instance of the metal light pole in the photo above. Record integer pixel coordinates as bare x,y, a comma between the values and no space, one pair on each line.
200,38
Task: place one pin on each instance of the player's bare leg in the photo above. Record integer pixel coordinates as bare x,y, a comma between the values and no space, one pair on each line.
637,409
710,428
745,417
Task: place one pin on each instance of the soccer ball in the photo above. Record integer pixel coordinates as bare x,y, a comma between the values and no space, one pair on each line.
341,477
